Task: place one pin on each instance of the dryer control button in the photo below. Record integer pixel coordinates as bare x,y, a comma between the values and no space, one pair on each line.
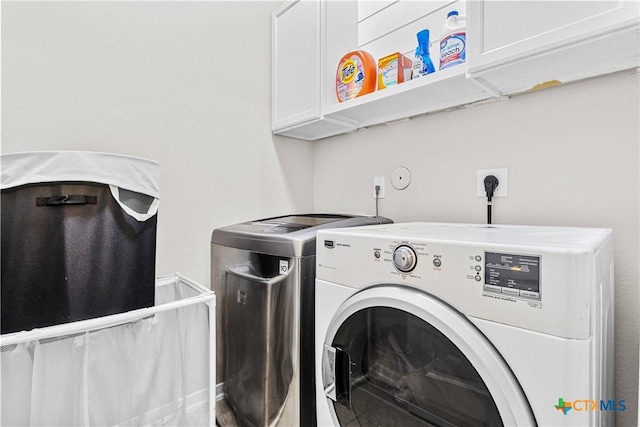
404,258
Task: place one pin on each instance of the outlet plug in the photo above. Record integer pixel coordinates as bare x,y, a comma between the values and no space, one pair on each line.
378,180
502,190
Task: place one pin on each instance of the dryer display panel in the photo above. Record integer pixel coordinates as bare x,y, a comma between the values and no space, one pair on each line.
511,273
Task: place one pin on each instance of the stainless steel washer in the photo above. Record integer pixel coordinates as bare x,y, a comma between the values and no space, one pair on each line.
263,274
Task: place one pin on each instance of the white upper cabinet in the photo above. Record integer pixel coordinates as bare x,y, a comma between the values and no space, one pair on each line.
516,45
299,40
296,40
512,47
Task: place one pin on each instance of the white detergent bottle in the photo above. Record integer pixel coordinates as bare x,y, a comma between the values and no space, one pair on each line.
453,43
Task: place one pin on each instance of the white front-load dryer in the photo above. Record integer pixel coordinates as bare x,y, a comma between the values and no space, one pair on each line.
423,324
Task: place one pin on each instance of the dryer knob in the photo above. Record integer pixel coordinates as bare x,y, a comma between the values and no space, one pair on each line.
404,258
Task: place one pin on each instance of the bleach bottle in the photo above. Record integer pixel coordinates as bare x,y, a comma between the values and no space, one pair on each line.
453,43
422,63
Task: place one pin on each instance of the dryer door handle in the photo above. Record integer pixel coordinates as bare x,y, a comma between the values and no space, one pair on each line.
336,375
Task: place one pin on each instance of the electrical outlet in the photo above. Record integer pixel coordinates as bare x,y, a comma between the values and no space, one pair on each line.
503,182
378,180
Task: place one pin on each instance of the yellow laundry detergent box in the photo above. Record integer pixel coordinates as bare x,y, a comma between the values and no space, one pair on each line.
393,69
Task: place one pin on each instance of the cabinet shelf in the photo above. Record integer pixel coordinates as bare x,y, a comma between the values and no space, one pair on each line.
559,42
438,91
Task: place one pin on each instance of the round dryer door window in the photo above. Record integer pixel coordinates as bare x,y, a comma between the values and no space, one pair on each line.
401,362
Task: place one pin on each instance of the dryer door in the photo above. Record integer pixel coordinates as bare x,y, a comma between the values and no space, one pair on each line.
396,356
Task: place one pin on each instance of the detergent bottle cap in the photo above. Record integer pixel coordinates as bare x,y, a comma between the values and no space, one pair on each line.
423,38
452,13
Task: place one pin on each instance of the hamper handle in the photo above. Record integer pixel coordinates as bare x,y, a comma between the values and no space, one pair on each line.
66,200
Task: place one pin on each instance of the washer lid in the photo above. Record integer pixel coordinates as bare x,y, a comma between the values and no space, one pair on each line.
288,235
287,224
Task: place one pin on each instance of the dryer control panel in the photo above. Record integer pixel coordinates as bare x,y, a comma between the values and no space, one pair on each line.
542,279
405,258
512,274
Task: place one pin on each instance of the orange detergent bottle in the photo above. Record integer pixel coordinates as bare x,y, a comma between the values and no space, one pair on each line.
356,75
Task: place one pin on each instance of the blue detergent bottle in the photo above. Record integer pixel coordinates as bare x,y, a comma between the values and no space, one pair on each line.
422,64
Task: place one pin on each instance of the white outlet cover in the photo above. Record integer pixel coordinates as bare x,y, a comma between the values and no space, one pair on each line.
503,182
379,180
401,178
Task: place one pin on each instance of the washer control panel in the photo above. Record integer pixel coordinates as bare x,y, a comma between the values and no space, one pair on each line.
405,258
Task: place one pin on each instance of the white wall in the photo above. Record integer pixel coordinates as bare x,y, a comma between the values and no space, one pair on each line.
184,83
187,84
573,159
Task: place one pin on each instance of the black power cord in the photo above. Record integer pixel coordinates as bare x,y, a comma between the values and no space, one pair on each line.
490,185
377,197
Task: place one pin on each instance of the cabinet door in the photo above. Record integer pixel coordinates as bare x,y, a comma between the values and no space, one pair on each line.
516,46
504,31
296,50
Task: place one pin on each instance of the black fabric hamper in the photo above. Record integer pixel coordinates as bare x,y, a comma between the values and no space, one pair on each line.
78,237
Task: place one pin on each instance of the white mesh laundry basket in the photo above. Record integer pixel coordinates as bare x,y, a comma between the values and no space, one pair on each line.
150,366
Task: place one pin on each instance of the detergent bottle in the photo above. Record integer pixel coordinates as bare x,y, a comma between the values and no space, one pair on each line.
356,75
422,63
453,43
